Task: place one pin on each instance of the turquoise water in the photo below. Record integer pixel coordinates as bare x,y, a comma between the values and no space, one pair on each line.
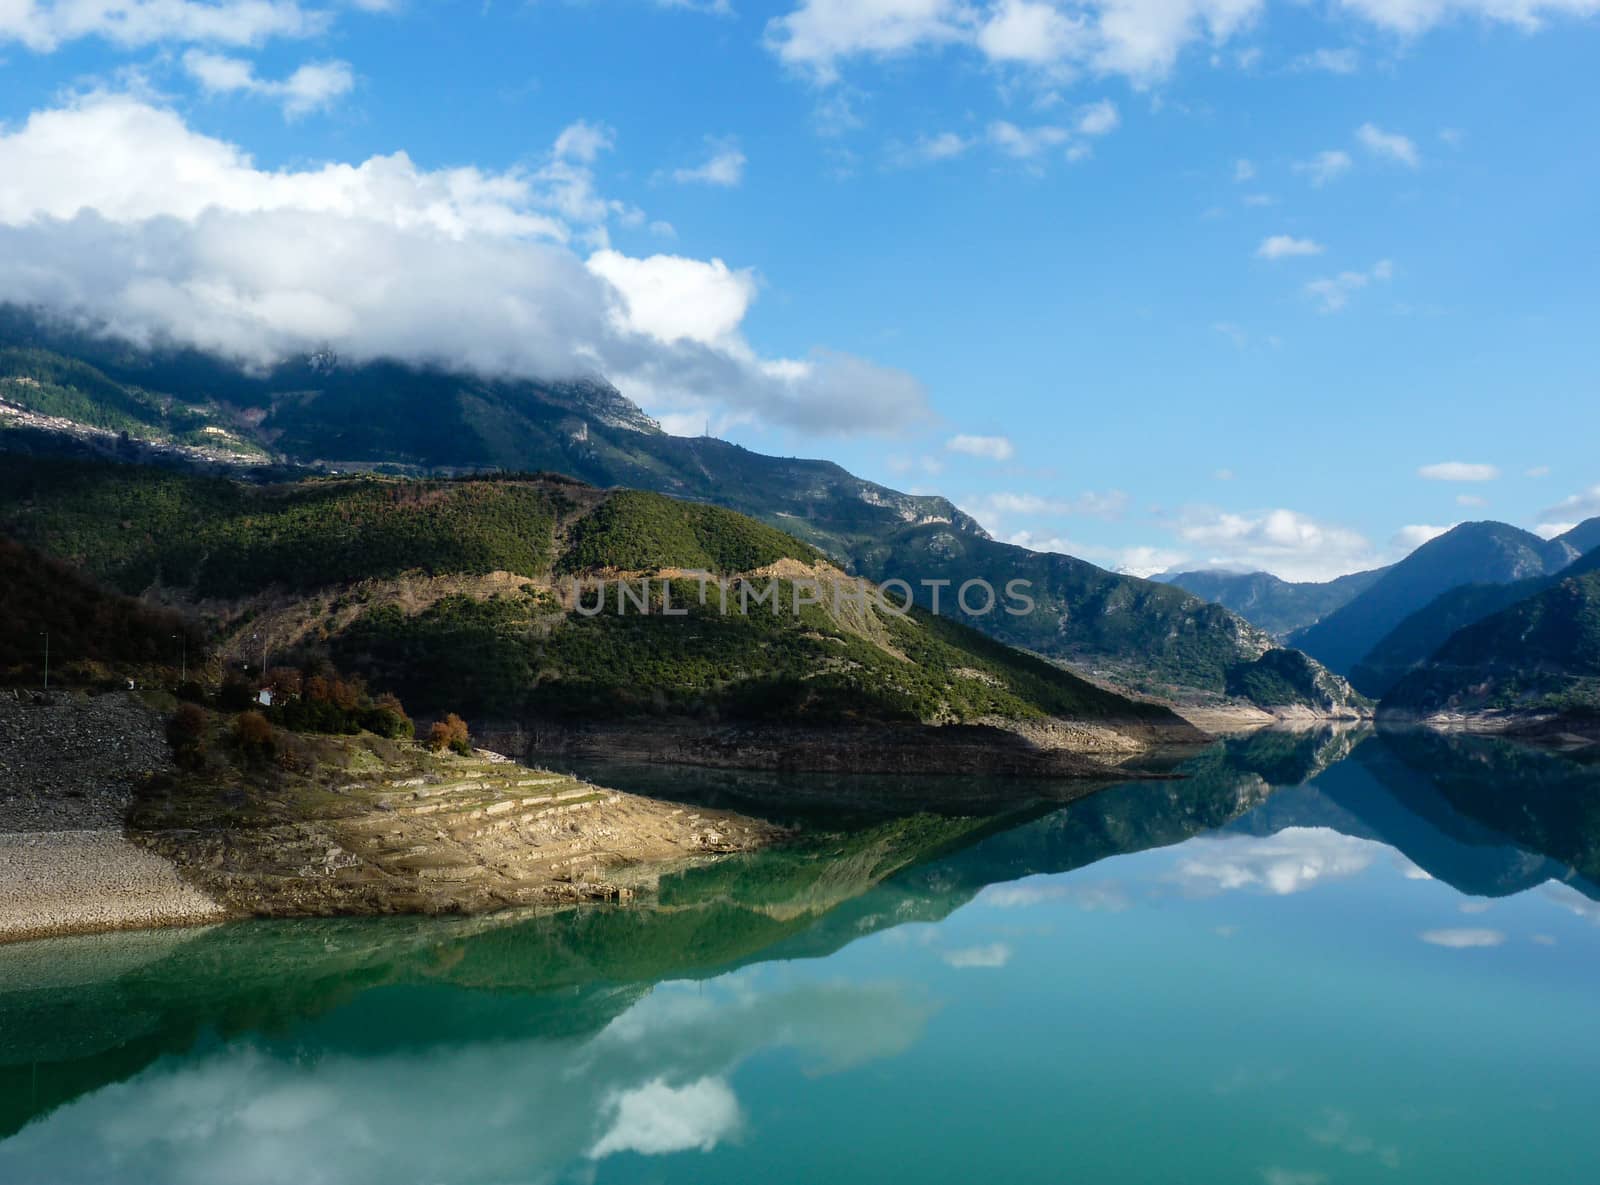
1317,959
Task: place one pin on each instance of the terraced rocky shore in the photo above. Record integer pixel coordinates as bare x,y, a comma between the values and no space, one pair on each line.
100,831
429,834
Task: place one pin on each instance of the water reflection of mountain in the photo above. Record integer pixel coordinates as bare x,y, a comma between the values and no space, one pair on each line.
1486,817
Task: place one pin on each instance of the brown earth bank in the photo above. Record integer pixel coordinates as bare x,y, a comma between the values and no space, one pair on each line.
1033,749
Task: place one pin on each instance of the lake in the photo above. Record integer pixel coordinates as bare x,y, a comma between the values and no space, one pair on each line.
1320,957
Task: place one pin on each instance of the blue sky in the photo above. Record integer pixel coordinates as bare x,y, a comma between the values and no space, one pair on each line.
1153,281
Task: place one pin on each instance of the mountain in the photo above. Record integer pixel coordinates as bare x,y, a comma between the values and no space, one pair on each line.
1578,540
1415,639
1540,656
505,598
325,414
1278,606
1472,553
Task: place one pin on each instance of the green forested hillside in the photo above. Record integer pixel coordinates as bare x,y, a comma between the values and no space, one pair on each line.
337,414
524,648
1541,654
1155,636
135,527
512,655
1415,639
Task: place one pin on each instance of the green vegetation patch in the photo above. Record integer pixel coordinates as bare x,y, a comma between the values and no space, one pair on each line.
636,531
136,526
510,655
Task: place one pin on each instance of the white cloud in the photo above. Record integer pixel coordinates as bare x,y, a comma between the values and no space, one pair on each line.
1097,119
818,33
1417,16
1243,171
929,149
996,954
724,167
994,508
1141,39
1285,542
1577,507
1025,143
1026,31
45,25
1332,293
312,87
1472,500
584,141
1331,61
1291,861
1459,471
1551,530
1138,560
1538,471
674,299
657,1118
1407,539
1463,939
116,213
1391,145
1326,166
991,448
1287,247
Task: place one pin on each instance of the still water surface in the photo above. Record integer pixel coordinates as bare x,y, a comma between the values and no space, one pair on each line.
1320,958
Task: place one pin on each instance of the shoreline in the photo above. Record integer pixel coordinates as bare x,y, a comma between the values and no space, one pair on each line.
1549,729
59,883
381,828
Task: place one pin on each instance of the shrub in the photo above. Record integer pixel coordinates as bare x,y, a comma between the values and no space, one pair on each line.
186,733
450,733
253,734
235,695
388,723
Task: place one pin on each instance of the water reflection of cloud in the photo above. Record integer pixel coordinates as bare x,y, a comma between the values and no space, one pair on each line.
996,954
1292,860
1337,1129
1096,895
1276,1175
1464,938
658,1117
1570,899
654,1080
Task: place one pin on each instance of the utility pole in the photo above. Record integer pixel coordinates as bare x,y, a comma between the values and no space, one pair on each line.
183,677
46,635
